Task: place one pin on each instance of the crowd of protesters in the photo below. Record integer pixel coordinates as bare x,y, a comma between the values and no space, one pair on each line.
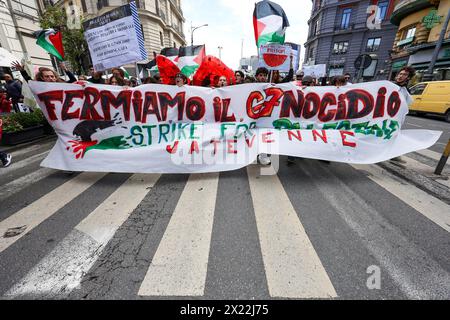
11,94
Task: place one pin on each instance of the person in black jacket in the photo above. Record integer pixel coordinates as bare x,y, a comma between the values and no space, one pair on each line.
13,91
288,78
45,74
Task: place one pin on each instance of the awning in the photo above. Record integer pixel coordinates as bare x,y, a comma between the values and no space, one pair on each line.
424,66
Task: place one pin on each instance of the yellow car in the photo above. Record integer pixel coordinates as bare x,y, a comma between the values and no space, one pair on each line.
431,97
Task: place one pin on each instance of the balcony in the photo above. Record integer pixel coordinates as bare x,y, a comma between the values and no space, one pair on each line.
341,28
407,7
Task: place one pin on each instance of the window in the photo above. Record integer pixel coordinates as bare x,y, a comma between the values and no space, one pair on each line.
340,47
142,31
161,38
418,89
345,22
157,6
174,45
382,10
373,44
410,33
83,5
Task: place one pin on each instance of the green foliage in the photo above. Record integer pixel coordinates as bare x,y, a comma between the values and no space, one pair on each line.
21,120
75,46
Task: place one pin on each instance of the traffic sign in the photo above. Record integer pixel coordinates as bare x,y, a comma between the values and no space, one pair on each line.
364,61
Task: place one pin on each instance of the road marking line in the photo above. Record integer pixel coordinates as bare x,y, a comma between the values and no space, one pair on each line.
431,207
416,273
293,268
430,154
180,264
415,125
62,270
40,210
15,186
104,221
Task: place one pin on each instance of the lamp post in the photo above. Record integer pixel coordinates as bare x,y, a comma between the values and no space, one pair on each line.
220,51
192,32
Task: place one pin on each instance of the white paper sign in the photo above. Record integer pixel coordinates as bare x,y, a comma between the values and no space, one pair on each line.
115,38
315,71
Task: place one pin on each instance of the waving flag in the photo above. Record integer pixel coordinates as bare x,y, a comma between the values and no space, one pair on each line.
190,58
270,23
171,53
51,41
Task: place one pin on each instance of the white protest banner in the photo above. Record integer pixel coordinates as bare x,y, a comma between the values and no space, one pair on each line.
316,71
275,57
168,129
115,38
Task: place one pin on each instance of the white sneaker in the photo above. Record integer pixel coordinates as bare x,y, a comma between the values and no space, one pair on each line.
7,160
264,159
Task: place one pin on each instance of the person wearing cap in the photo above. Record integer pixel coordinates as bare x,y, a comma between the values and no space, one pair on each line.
180,79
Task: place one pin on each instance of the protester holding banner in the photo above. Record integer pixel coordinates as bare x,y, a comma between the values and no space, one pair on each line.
222,82
181,79
239,77
262,75
44,74
115,80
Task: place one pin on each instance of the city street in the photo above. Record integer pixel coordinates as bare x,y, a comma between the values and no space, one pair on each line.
314,230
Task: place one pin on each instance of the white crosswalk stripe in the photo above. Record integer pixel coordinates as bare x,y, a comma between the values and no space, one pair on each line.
43,208
62,270
23,163
17,185
431,207
180,264
293,267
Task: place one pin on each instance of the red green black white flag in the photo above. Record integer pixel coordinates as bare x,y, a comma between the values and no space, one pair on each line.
51,41
270,23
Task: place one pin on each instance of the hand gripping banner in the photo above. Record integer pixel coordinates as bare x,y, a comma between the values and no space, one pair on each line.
167,129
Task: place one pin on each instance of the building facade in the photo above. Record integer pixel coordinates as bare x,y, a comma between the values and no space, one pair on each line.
18,21
419,25
342,30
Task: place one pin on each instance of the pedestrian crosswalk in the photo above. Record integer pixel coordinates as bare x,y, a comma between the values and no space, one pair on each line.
377,216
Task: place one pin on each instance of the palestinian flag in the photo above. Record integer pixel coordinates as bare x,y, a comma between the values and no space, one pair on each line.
50,41
270,23
190,58
171,53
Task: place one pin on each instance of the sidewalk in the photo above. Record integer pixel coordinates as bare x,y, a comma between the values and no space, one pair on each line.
418,168
11,149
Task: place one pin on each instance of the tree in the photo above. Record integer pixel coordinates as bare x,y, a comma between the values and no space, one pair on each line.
75,46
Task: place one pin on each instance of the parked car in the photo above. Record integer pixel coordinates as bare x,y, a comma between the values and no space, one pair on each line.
431,97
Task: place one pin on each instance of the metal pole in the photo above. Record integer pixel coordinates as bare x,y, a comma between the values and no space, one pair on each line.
361,69
443,161
428,76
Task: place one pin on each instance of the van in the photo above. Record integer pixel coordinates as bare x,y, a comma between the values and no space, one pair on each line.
431,97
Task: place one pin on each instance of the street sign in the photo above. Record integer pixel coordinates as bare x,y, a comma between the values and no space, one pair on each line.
365,60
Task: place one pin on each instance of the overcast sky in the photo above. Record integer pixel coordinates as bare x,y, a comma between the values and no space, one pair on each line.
230,21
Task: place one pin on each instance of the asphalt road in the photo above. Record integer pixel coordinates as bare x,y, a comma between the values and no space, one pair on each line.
314,230
431,122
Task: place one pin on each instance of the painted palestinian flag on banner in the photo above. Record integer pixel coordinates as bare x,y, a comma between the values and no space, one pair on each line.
171,53
50,41
270,23
190,58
